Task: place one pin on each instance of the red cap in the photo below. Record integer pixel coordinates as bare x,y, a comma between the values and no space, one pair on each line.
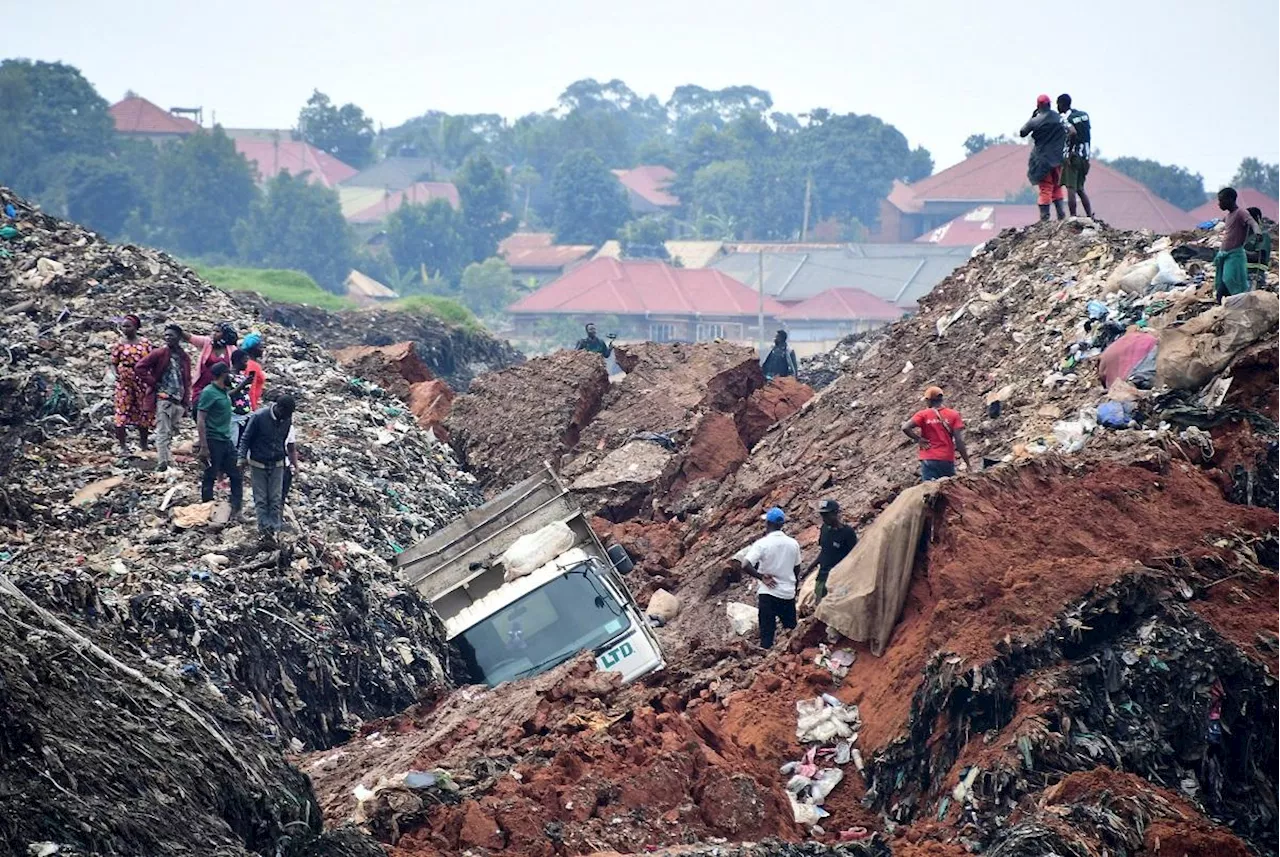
1042,99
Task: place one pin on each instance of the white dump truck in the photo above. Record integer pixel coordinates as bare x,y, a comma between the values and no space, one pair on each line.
523,584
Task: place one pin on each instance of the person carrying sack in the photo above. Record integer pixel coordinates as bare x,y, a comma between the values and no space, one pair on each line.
939,433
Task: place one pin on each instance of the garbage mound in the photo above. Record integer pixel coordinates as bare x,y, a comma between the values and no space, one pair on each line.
512,422
820,370
311,637
454,354
398,370
102,757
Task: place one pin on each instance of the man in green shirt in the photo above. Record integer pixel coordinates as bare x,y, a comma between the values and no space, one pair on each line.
214,449
595,343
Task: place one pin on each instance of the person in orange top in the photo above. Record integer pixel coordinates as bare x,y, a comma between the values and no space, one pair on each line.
252,345
939,432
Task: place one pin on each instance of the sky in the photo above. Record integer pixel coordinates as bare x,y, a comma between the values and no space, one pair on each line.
1190,83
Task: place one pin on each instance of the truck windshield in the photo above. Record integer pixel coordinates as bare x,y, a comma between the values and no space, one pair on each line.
544,628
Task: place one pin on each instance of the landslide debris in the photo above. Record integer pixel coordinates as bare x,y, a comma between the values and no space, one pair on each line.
455,354
309,639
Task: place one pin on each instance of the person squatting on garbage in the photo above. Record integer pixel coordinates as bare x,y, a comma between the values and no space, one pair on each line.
774,560
263,448
1231,265
1079,150
214,448
592,342
780,360
834,543
1044,165
166,375
213,349
939,432
252,347
131,389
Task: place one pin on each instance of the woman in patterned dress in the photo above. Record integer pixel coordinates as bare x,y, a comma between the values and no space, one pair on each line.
129,410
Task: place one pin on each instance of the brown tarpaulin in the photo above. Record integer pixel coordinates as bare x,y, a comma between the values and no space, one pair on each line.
1191,354
866,590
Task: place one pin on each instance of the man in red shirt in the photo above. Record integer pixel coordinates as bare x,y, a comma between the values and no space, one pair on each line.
939,432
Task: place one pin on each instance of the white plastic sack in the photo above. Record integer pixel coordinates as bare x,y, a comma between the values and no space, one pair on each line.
1168,272
1133,279
536,549
744,618
824,784
663,605
817,722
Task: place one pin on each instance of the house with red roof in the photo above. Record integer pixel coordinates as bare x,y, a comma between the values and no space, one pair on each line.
999,173
646,188
979,225
831,315
364,206
272,151
135,116
651,301
534,257
1246,197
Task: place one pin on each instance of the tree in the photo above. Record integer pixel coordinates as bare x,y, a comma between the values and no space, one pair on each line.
1171,183
429,238
344,132
102,193
486,195
723,189
298,225
203,187
48,113
1259,176
488,287
976,143
645,238
525,178
590,203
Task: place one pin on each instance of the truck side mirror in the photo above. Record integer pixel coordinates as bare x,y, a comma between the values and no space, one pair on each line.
621,561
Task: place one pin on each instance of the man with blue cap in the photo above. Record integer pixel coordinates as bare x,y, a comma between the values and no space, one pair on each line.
774,560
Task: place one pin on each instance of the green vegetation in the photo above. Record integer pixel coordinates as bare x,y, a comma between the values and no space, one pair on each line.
274,284
446,309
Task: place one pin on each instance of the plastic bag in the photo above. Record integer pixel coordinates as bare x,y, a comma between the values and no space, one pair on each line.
743,617
1115,414
536,549
1168,272
1133,278
663,605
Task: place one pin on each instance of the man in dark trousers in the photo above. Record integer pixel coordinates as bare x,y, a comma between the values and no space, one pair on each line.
166,377
834,543
594,343
263,448
939,432
780,360
1079,149
1044,166
774,560
214,449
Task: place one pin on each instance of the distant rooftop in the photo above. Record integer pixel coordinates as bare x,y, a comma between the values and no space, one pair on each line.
275,151
537,251
650,184
137,115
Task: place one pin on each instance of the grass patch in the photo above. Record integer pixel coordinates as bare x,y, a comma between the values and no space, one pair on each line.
446,309
281,286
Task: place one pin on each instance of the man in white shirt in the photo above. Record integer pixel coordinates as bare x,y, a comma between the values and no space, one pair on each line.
774,560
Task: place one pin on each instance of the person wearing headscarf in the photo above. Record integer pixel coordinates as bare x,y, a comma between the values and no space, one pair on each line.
130,392
216,348
252,346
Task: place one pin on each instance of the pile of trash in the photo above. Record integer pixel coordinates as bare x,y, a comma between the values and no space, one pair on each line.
455,354
105,755
311,637
819,371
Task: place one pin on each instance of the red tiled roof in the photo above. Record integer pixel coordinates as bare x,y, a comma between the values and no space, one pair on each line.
418,193
294,156
999,171
982,223
536,251
137,115
1246,197
649,183
635,287
843,304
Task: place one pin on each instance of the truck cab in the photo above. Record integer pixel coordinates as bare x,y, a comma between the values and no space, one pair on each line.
512,627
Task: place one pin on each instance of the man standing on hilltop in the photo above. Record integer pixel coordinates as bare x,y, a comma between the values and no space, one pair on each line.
781,360
1044,166
594,343
165,374
1231,265
939,432
1079,148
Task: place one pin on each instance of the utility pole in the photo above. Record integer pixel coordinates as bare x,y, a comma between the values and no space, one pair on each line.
808,191
760,319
